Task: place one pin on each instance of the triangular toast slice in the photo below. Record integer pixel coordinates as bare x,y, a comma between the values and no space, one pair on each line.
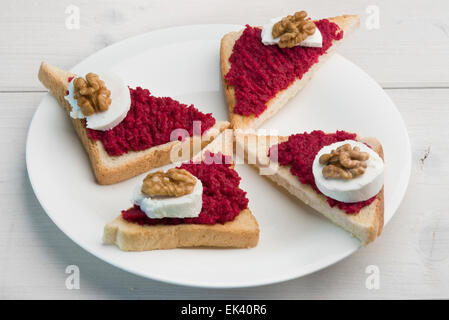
347,23
242,232
112,169
365,225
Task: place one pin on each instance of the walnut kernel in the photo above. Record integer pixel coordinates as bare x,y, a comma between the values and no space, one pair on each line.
293,30
344,162
173,183
91,94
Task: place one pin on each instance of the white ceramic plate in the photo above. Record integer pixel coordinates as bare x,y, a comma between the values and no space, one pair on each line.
184,63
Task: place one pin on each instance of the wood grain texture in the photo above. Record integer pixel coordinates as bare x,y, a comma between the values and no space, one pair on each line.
412,253
409,50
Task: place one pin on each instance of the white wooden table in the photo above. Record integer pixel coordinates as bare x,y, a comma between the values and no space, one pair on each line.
408,55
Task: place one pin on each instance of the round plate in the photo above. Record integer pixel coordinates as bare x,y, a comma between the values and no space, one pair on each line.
183,63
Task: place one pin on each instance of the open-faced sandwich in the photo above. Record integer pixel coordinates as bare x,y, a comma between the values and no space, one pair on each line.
263,67
127,131
197,204
338,174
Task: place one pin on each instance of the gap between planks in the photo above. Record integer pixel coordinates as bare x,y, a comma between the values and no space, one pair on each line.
385,88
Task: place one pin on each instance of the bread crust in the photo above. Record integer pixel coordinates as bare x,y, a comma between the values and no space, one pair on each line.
366,225
242,232
348,23
112,169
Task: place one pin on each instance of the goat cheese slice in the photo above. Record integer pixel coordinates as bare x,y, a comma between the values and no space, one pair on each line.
360,188
186,206
117,111
315,40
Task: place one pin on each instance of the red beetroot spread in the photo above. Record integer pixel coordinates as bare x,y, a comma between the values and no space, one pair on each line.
222,198
258,71
300,150
149,123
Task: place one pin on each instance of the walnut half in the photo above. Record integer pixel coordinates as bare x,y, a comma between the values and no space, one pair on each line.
344,162
173,183
91,94
293,30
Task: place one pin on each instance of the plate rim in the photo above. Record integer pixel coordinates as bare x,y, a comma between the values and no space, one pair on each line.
217,285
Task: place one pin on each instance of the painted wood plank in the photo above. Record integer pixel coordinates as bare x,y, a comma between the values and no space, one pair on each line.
412,253
409,49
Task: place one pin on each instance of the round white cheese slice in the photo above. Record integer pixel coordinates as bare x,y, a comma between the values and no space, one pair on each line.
360,188
117,111
315,40
187,206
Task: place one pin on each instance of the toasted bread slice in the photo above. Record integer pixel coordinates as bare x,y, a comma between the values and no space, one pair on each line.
365,225
348,23
242,232
112,169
